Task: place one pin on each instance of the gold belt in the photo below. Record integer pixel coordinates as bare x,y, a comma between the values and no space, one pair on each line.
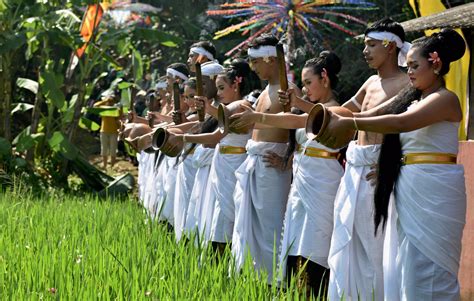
429,158
232,150
299,148
320,153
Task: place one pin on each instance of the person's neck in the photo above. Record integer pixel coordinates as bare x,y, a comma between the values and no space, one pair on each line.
327,96
388,70
433,88
274,79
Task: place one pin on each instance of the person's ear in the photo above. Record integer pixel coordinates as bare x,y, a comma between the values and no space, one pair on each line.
392,47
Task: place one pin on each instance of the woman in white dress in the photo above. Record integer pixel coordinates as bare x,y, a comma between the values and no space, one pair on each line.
236,81
420,165
316,175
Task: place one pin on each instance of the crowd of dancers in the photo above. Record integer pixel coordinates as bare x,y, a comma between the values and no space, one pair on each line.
378,219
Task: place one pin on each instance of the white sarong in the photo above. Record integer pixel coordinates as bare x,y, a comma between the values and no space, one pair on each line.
142,159
356,255
309,213
160,171
184,185
223,185
431,206
149,174
260,198
198,208
165,205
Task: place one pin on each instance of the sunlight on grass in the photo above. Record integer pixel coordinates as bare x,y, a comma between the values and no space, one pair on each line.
62,246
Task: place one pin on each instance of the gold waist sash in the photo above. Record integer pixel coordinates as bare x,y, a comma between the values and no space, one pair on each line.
299,148
232,150
320,153
429,158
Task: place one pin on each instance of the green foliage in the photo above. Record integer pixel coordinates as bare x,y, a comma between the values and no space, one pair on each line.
60,144
78,247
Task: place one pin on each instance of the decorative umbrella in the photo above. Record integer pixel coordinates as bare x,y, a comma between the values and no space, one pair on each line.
283,17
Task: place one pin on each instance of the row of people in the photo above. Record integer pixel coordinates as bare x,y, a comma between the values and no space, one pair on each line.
261,187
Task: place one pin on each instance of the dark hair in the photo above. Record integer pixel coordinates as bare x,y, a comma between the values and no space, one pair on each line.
254,94
183,68
450,47
329,61
389,25
206,45
239,68
191,82
264,40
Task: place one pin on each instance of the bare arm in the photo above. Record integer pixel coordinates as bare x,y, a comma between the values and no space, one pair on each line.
264,120
437,107
381,109
185,127
206,138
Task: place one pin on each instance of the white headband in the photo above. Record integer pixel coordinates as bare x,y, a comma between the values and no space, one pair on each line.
202,51
403,46
262,51
175,73
211,69
161,85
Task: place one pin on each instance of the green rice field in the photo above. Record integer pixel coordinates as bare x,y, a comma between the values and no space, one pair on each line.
82,248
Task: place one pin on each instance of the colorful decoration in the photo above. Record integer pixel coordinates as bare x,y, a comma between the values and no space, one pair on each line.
283,17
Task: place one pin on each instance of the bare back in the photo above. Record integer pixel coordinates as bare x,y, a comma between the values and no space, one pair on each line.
268,103
378,90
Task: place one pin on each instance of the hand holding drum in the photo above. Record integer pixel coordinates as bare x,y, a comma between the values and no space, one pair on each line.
225,120
167,142
321,126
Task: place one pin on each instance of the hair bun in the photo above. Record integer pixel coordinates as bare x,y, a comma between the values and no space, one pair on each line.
454,43
240,66
332,61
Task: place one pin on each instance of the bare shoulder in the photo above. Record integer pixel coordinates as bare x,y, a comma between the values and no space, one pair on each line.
450,95
371,80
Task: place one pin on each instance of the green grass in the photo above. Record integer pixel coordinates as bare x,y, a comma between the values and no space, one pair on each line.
81,248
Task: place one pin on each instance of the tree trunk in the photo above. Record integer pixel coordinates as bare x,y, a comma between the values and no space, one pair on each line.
7,100
2,95
71,131
35,117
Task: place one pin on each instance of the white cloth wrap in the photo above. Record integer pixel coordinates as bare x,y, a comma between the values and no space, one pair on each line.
148,187
223,185
211,69
202,51
175,73
262,51
159,180
356,255
184,185
142,158
431,206
166,203
391,37
309,213
198,207
260,198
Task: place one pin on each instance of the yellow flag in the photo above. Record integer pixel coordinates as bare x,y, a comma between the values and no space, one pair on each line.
457,78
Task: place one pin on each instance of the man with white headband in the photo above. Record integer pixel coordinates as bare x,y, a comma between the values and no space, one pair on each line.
209,71
356,255
204,50
261,191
